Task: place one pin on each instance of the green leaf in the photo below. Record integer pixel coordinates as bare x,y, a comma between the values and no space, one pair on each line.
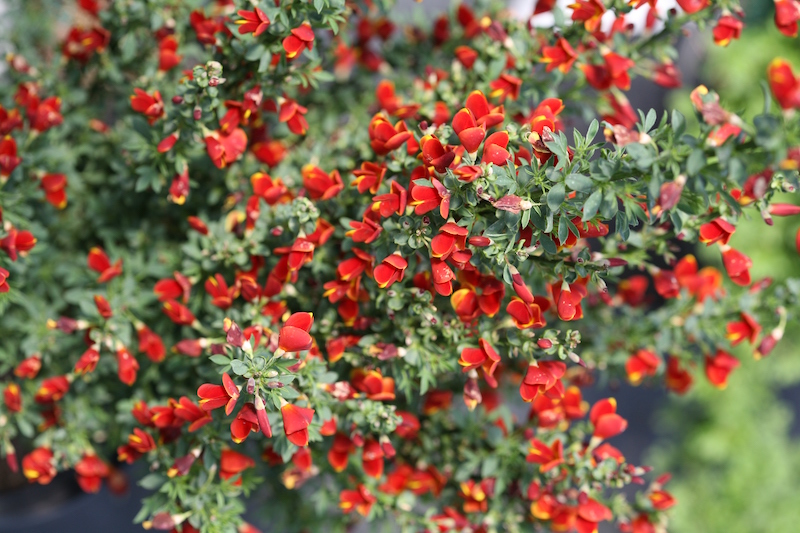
696,162
239,367
592,204
678,123
547,243
579,182
556,196
220,359
152,481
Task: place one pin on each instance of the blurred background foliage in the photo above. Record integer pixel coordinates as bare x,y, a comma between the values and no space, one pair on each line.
735,454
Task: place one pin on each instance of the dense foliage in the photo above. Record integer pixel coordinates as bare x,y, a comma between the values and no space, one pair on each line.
298,246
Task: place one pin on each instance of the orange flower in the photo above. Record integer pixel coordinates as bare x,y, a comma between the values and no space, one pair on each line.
391,269
466,56
369,177
224,149
391,203
340,451
527,315
425,199
506,86
613,73
246,422
737,265
99,262
150,343
221,295
38,466
372,458
173,288
469,132
373,384
188,411
295,423
293,114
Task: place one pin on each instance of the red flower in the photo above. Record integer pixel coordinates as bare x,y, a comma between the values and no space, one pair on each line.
718,368
425,199
365,231
294,336
527,315
359,500
727,29
52,390
372,458
466,56
442,276
469,133
718,230
8,156
99,262
373,384
150,343
787,15
215,396
54,186
693,6
255,22
642,363
590,513
9,120
81,44
300,38
745,330
607,423
225,149
103,307
385,137
293,114
91,470
678,379
389,101
494,149
38,466
561,56
29,367
547,457
197,225
785,86
246,422
484,115
128,366
340,451
613,73
150,106
269,152
369,177
221,295
476,495
168,57
173,288
541,378
391,269
233,463
46,114
12,398
4,287
506,86
589,12
87,362
394,202
319,185
737,265
667,75
178,313
17,243
295,423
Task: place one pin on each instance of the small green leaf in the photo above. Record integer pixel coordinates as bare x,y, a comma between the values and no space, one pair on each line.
592,204
579,182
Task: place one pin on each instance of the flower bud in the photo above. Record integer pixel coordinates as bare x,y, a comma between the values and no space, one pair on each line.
197,113
177,99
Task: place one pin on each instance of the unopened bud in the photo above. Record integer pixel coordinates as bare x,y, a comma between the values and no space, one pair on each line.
197,113
177,99
251,386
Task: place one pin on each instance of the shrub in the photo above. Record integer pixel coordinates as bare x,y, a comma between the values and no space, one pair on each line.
227,259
